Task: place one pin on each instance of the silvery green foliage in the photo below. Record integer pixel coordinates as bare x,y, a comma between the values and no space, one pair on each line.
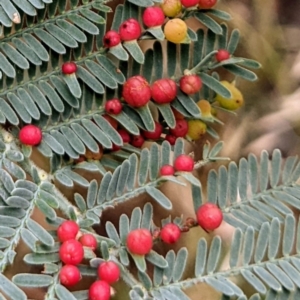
38,36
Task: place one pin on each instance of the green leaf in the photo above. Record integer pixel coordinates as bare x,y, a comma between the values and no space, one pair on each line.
101,74
234,40
268,278
235,250
73,85
112,232
10,289
40,232
113,184
156,259
157,32
7,111
274,239
111,68
30,280
146,116
135,51
103,187
189,104
248,245
84,24
140,262
63,294
50,41
102,135
40,259
220,14
19,107
241,72
208,22
254,281
119,52
135,219
159,197
48,211
166,111
16,201
180,264
145,280
214,254
215,85
6,232
6,180
201,257
284,280
124,227
219,286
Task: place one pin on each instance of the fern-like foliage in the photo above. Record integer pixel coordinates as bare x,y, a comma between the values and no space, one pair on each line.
257,257
255,191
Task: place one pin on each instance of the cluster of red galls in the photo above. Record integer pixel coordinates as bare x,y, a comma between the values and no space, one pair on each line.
152,17
138,242
137,92
71,253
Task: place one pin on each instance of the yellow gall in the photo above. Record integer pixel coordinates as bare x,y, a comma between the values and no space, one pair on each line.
171,8
236,100
175,31
205,108
196,130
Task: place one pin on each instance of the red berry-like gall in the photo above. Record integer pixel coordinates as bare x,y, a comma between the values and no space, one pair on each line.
153,16
171,139
167,170
69,275
113,106
109,271
67,230
180,129
136,91
99,290
209,216
111,39
222,54
124,135
206,4
154,135
170,233
190,84
163,90
130,30
184,163
139,241
137,141
88,240
30,135
189,3
69,68
71,252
